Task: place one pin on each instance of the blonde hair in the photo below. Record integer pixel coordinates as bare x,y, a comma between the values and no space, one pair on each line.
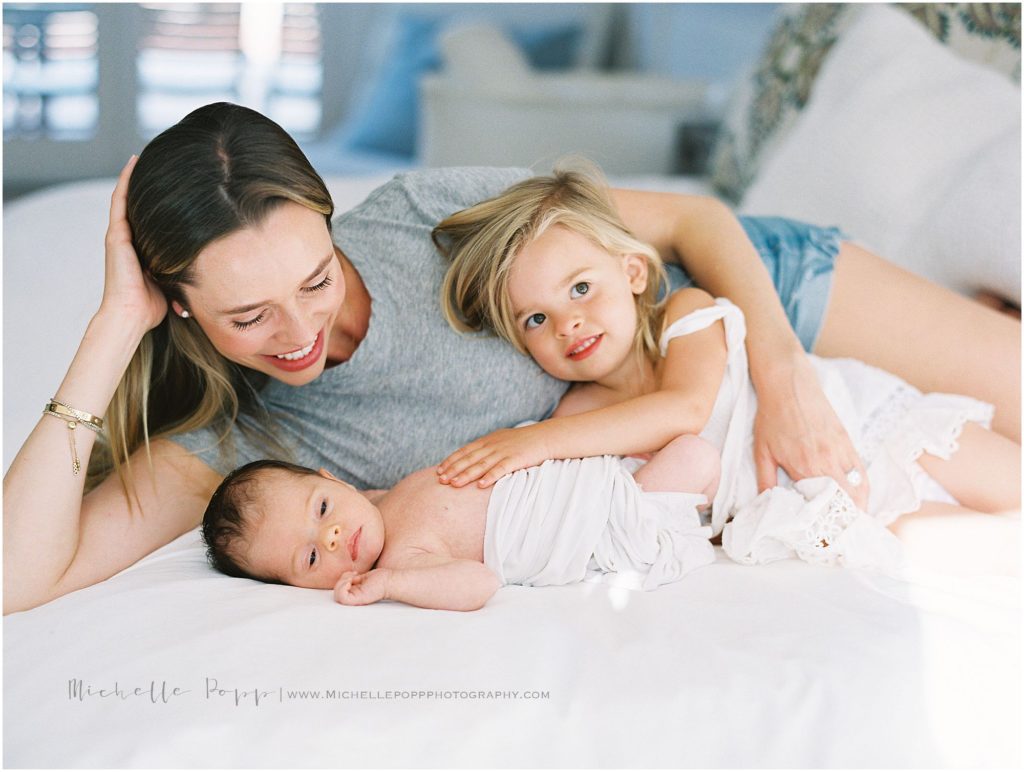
222,168
482,242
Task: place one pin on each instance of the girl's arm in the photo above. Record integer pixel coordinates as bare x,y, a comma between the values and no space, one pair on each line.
54,542
692,373
795,427
431,581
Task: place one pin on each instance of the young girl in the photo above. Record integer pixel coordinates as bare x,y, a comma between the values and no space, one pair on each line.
550,267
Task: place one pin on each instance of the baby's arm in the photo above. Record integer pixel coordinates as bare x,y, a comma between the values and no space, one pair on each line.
691,376
422,579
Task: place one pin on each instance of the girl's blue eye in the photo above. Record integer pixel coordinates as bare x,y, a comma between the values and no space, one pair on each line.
312,557
250,323
323,507
535,320
579,289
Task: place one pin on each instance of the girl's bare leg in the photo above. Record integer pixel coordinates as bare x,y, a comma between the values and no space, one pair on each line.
947,539
688,464
984,473
984,476
928,335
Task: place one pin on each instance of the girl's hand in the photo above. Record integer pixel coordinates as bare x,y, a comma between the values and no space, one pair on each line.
797,429
127,292
495,455
355,589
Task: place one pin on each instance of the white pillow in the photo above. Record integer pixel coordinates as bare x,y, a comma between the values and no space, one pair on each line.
912,150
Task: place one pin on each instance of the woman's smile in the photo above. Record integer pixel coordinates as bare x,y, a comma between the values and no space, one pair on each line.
300,359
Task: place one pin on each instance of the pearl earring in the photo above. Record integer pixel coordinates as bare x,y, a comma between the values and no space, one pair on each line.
185,314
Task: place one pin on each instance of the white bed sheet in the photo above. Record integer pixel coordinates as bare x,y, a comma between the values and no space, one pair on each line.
780,665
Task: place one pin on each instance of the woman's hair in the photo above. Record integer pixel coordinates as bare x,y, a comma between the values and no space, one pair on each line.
483,241
229,516
221,169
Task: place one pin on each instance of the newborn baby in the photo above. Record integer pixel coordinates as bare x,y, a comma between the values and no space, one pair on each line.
440,547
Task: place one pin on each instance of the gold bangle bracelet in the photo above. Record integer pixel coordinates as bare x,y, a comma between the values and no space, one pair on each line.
73,418
61,410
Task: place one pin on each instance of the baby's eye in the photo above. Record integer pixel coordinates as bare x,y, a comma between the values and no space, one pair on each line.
323,507
534,321
579,289
312,557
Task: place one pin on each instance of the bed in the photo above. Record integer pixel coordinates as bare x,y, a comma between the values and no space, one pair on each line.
169,664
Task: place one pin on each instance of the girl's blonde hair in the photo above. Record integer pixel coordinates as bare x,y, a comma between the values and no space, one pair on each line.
222,168
482,242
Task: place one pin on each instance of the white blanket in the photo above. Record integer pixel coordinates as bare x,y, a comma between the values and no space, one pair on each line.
788,664
548,524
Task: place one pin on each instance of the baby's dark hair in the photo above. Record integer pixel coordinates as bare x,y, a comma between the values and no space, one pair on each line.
228,517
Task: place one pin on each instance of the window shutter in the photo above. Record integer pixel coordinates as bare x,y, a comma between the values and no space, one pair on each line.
50,71
262,55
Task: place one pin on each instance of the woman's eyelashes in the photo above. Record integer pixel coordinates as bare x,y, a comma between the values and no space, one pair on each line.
319,287
327,282
250,323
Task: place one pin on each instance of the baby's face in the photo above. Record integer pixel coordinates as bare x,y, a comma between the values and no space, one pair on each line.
309,529
574,304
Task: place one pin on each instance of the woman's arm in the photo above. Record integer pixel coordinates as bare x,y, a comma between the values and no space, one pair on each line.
795,428
53,541
690,378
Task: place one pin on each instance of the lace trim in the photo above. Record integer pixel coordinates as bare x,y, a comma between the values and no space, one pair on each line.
821,535
902,423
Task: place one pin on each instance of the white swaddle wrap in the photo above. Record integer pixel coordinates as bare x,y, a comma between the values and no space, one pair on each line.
552,523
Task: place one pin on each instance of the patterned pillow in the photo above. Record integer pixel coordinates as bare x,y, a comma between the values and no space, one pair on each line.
987,33
767,104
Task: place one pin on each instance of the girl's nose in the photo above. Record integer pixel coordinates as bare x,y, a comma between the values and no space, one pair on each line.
330,537
569,324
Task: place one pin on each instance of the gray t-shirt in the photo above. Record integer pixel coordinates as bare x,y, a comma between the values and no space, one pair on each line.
414,390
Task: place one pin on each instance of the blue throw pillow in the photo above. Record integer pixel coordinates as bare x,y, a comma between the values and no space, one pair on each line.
388,119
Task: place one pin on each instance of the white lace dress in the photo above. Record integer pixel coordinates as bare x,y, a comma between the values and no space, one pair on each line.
890,423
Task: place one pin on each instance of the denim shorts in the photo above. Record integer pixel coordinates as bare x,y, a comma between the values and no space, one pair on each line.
800,259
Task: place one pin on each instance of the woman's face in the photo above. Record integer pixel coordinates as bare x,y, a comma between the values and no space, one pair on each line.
267,296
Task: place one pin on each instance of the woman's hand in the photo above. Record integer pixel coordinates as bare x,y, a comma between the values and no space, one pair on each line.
495,455
127,291
355,589
797,429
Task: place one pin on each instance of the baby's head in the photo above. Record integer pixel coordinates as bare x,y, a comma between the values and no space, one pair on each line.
286,524
549,266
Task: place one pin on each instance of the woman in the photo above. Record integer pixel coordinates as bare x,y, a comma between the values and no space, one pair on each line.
335,349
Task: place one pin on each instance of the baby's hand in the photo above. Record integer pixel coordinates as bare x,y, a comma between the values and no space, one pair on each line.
355,589
495,455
